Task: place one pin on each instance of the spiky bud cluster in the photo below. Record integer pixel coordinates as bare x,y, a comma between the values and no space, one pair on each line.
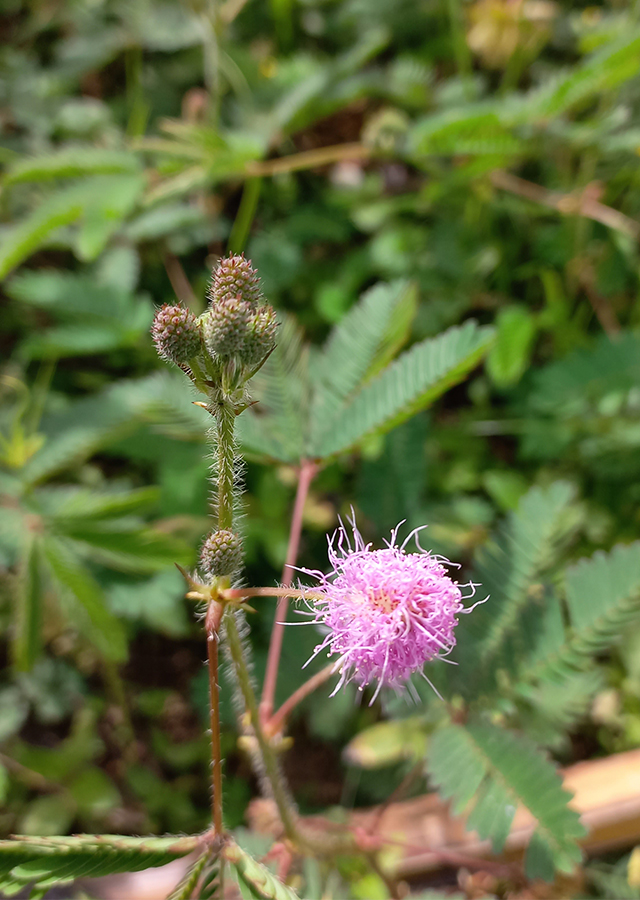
176,334
261,336
221,553
224,326
235,277
237,325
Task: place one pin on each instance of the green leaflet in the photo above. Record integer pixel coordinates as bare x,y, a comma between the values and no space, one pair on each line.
44,862
474,129
28,612
76,432
497,770
613,64
409,384
186,886
93,616
511,353
62,208
70,163
72,504
256,876
136,549
355,344
318,407
101,203
571,386
94,317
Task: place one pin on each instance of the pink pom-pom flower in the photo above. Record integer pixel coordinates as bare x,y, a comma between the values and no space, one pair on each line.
385,612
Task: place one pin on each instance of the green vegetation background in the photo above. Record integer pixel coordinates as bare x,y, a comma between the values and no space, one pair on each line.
484,153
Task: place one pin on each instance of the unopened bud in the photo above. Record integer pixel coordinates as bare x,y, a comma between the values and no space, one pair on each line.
221,553
176,334
233,278
224,326
260,338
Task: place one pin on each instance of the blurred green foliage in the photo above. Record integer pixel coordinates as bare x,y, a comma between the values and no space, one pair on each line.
479,157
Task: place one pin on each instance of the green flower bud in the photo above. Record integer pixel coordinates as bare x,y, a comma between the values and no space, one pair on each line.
224,326
176,334
261,336
221,553
233,278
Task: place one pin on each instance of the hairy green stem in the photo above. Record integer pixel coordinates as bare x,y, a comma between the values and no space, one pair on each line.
214,715
272,770
226,417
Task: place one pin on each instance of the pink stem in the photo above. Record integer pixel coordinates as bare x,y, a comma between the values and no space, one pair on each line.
306,475
243,593
278,719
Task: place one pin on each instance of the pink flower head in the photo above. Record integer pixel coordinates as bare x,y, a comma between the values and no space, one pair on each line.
387,612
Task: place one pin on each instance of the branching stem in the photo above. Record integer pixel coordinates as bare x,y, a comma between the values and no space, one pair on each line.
306,475
279,718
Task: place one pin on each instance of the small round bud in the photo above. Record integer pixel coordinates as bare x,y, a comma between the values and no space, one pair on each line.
224,326
176,334
235,277
221,553
261,336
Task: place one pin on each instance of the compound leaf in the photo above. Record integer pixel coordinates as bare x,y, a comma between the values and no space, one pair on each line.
409,384
46,861
357,342
509,571
496,770
603,600
72,162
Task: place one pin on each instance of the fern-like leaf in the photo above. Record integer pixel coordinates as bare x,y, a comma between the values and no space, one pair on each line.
76,432
137,550
476,129
572,385
364,341
91,613
23,239
497,770
64,504
613,64
509,570
44,862
409,384
256,876
72,162
603,600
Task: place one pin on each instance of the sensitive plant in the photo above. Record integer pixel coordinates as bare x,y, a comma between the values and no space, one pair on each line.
220,352
498,176
384,614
